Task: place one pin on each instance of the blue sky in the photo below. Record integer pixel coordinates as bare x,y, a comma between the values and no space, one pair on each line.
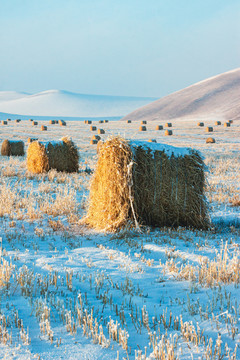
116,47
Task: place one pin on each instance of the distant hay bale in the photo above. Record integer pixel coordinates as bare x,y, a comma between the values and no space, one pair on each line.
34,123
56,121
4,122
93,142
143,122
152,140
61,155
29,140
227,124
168,133
17,120
106,121
200,124
62,123
210,140
152,184
230,121
217,123
30,119
52,122
209,129
100,121
9,119
142,128
96,137
88,121
43,128
12,148
159,127
168,124
93,128
101,131
128,121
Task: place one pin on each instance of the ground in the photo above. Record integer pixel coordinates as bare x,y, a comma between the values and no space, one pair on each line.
68,291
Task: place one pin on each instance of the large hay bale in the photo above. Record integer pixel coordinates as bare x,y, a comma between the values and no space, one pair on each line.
168,132
12,148
34,123
93,128
217,123
61,155
168,124
227,124
62,123
159,127
200,124
209,129
142,128
143,122
210,140
152,184
101,131
4,122
43,128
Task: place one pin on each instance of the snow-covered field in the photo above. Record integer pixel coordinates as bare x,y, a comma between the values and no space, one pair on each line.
69,292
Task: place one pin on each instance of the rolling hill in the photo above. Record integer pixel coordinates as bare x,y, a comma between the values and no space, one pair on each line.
218,97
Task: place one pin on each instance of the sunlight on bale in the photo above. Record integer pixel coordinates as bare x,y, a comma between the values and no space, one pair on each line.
200,124
61,155
12,148
43,128
142,128
153,184
159,127
209,129
210,140
62,123
168,133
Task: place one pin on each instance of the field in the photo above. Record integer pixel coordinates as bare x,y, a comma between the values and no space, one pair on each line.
69,292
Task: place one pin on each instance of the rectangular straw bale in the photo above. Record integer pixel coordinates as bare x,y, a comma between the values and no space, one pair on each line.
12,148
62,123
147,183
61,155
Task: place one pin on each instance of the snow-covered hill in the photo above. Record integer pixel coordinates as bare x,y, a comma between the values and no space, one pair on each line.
217,97
63,103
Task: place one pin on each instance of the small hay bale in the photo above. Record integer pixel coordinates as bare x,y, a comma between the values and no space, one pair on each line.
200,124
209,129
159,127
43,128
88,122
142,128
52,122
230,121
210,140
101,131
9,119
29,140
30,119
4,122
56,121
93,128
227,124
93,142
106,121
152,140
34,123
128,121
143,122
96,137
17,120
61,155
62,123
12,148
168,124
153,184
217,123
100,121
168,133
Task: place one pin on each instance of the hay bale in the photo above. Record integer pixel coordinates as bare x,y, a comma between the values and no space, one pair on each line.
152,184
56,121
217,123
128,121
52,122
62,123
4,122
200,124
209,129
34,123
159,127
43,128
29,140
106,121
93,142
227,124
30,119
61,155
93,128
143,122
142,128
88,121
101,131
152,140
100,121
230,121
210,140
99,146
9,119
96,137
12,148
17,120
168,124
168,133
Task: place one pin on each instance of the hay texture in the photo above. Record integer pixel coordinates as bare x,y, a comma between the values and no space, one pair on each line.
12,148
61,155
147,183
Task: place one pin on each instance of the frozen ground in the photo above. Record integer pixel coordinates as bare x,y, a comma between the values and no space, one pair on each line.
68,292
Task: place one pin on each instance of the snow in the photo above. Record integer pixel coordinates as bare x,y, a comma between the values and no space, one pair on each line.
168,149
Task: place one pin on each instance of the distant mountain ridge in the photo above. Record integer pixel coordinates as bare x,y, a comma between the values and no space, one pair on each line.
61,103
218,96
